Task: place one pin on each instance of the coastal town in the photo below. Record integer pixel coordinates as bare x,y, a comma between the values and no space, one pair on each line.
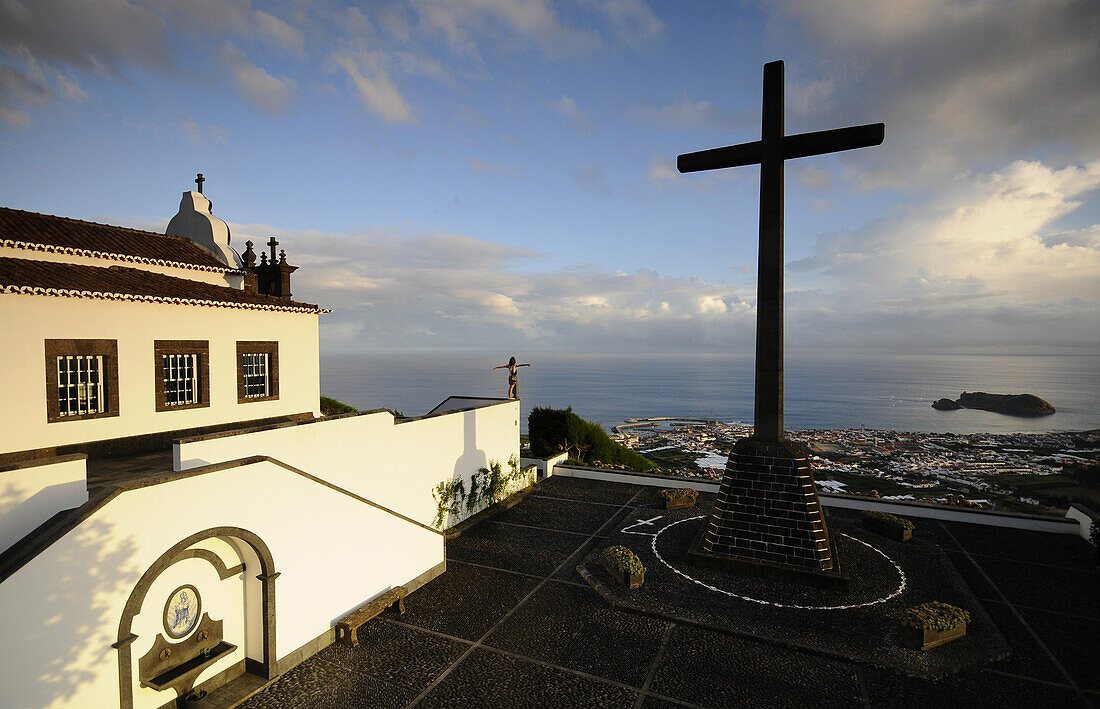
1015,472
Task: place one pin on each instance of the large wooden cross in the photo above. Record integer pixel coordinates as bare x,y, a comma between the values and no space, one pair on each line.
769,152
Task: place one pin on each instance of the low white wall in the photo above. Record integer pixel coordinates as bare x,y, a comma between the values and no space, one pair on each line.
1058,525
61,611
31,493
545,466
1083,517
395,464
625,476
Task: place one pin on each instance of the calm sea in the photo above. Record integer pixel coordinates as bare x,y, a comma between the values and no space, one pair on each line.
886,391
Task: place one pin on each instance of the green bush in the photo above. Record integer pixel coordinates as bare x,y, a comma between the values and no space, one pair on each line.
554,431
330,406
623,559
934,616
885,520
680,494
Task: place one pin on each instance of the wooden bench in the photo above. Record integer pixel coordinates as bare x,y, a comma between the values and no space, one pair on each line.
349,624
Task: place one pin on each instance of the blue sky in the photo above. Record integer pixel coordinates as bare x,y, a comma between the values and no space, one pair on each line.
499,174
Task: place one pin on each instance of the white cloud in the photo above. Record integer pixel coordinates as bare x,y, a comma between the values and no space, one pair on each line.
568,108
981,251
201,134
632,21
460,21
686,114
663,173
392,289
956,83
378,93
260,88
278,33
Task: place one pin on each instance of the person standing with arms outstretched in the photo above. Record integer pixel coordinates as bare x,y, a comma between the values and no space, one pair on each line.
513,376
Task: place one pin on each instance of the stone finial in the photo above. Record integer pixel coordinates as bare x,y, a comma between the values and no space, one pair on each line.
263,258
282,256
249,255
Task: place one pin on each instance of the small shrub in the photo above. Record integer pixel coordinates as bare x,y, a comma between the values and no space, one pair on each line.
330,407
934,616
888,521
680,494
623,559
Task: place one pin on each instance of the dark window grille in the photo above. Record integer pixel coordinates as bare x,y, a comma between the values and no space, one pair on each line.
256,380
181,379
79,384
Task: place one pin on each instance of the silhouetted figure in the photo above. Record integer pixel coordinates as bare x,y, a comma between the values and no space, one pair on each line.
513,376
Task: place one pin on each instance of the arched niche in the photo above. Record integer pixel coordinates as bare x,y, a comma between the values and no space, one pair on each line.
251,550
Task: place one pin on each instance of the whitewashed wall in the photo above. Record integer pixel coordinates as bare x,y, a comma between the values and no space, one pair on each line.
393,464
29,320
32,493
61,611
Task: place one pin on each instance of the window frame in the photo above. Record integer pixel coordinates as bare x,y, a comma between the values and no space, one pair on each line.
271,349
107,349
201,348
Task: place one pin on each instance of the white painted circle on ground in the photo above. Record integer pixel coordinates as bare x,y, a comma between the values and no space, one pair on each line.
897,591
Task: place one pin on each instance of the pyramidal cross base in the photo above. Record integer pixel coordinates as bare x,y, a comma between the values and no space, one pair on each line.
767,520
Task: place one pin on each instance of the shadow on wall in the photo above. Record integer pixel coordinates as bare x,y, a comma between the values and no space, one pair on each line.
58,623
451,495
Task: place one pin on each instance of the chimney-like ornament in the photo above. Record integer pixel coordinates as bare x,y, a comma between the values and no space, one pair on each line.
196,221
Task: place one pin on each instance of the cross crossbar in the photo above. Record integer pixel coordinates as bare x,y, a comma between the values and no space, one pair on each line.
802,145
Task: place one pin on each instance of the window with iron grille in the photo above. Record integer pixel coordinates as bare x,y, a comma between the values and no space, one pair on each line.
81,379
80,385
256,369
181,379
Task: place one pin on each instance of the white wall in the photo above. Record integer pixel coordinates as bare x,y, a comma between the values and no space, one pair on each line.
32,493
29,320
61,611
393,464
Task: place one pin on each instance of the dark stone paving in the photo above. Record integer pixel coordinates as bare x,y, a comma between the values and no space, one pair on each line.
572,627
466,600
715,670
553,513
479,637
529,551
489,679
399,663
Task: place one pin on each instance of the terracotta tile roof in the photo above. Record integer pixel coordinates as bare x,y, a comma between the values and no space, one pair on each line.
123,283
43,232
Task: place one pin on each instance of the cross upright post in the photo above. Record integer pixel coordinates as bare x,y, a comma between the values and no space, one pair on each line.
770,152
199,179
767,519
272,243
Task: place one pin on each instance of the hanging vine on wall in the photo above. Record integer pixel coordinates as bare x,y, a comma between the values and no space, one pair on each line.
488,486
448,495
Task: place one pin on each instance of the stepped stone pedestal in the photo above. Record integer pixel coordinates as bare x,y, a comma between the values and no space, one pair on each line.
768,520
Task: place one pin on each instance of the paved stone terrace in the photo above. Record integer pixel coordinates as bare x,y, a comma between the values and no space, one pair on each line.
511,624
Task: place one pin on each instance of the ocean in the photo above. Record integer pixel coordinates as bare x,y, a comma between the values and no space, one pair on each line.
881,391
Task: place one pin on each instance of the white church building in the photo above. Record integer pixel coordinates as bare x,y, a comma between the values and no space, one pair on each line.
175,512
